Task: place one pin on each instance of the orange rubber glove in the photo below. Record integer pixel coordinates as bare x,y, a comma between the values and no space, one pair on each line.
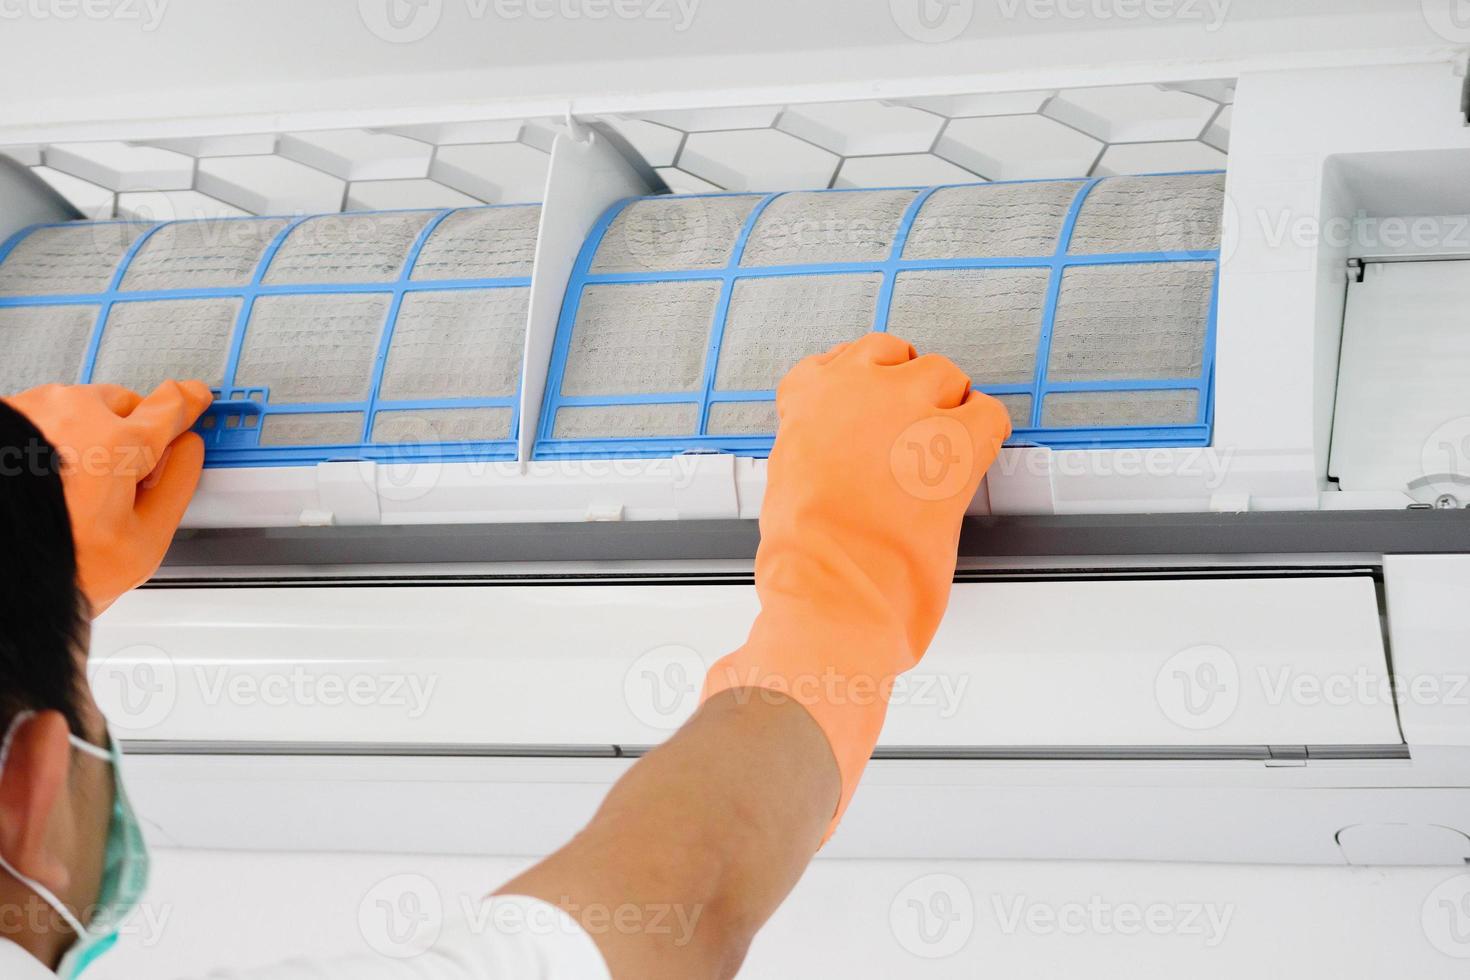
877,456
129,469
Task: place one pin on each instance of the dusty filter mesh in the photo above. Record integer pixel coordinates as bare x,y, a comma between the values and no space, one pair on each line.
78,258
312,429
641,337
991,221
481,243
1102,408
742,418
148,342
462,343
1151,214
313,348
1132,321
815,227
624,421
776,321
1019,409
202,254
43,345
337,248
988,321
429,425
662,234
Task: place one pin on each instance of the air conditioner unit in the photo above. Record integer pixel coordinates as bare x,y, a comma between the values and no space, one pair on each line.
489,446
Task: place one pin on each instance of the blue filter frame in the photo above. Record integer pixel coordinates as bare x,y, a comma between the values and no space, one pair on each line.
1194,433
232,426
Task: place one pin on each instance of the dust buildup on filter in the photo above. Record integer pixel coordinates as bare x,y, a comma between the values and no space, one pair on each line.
1019,409
1174,213
673,234
312,429
459,343
347,248
626,421
147,342
432,425
67,259
1085,409
481,243
991,221
1132,321
43,345
313,348
640,338
206,254
775,321
742,419
988,321
819,227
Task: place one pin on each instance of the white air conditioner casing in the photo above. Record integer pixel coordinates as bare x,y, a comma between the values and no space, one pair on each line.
1383,147
1325,161
1241,714
1183,657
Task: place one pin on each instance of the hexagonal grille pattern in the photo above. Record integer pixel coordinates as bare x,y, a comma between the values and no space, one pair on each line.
1103,131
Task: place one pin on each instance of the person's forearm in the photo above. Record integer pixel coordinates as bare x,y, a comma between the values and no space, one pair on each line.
699,843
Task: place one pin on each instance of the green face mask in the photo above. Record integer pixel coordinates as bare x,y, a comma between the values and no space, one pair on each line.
124,877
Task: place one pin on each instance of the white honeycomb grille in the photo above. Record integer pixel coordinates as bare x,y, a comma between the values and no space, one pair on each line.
1104,131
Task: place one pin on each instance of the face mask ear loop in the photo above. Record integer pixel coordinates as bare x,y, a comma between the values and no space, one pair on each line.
86,747
44,893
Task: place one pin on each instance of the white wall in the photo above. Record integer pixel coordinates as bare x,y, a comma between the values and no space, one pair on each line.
860,920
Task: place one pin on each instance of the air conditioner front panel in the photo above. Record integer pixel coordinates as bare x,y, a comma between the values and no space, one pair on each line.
582,668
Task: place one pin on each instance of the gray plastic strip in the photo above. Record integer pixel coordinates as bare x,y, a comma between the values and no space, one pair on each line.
373,749
1372,533
1024,753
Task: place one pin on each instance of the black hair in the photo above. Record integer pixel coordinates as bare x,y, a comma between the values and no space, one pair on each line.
42,627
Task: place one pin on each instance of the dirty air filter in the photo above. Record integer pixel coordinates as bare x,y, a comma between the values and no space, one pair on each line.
1086,306
370,335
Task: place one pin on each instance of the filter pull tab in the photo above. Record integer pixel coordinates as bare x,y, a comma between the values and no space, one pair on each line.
233,420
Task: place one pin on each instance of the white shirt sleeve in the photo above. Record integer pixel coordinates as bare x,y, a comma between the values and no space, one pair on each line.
516,938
